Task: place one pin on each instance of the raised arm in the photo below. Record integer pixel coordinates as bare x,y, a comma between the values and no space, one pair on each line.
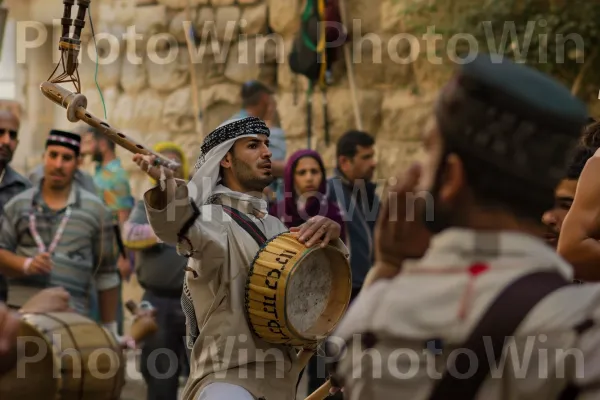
580,233
172,213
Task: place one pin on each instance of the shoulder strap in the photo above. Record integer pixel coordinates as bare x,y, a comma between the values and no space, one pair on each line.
247,224
500,321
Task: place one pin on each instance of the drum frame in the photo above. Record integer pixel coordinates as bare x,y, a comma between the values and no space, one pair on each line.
275,277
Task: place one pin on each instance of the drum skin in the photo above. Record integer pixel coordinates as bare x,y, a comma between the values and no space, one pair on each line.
269,277
65,356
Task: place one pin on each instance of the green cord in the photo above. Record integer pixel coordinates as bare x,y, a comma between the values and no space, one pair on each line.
96,73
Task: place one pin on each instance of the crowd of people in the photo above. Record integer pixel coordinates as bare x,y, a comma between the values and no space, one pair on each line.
502,240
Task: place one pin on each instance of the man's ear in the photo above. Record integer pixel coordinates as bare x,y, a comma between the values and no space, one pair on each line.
453,180
344,162
227,160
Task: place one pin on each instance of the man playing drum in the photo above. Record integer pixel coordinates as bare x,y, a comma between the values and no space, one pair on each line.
227,361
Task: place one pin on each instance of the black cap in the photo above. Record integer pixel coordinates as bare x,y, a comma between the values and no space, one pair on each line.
252,88
513,122
66,139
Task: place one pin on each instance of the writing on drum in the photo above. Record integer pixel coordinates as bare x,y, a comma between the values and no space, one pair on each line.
272,282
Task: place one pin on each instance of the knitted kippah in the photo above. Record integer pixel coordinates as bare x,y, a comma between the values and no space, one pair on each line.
66,139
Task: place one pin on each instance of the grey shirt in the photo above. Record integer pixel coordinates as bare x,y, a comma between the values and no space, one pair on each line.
11,185
159,267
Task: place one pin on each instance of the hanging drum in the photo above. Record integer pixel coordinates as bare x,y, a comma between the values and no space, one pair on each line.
296,295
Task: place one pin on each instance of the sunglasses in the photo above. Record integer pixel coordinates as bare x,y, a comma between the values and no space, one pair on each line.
11,133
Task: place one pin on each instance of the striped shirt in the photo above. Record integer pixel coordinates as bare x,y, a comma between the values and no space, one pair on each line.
85,254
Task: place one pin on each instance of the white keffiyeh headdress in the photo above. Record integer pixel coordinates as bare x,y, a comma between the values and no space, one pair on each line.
214,148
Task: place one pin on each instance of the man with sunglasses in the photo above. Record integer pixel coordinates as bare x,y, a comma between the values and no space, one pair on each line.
11,182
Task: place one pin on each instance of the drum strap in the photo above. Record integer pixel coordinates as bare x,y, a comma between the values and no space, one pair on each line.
246,224
497,324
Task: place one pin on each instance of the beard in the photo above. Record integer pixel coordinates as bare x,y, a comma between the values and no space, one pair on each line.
97,157
443,215
6,155
248,176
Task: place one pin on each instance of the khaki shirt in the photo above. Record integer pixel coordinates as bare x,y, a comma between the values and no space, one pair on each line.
225,350
431,299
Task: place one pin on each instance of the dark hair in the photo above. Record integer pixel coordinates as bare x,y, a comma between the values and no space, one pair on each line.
578,161
347,145
252,92
100,136
591,135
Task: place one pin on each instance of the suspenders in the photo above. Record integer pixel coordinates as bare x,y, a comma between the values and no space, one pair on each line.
500,321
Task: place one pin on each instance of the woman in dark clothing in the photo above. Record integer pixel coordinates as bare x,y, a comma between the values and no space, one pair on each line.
305,192
305,195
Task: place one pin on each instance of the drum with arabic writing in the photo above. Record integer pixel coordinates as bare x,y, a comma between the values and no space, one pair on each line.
65,356
296,295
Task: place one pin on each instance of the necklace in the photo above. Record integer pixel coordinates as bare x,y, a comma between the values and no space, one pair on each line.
59,232
2,174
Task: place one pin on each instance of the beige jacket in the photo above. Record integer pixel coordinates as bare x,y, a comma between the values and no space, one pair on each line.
225,350
430,300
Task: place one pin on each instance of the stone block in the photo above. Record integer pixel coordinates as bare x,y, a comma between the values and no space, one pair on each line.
204,15
150,20
254,19
110,95
178,113
363,16
227,21
219,103
394,157
125,11
216,114
108,53
404,115
179,23
208,70
431,76
340,113
221,93
168,69
221,3
182,4
375,62
133,76
148,111
123,116
247,57
284,16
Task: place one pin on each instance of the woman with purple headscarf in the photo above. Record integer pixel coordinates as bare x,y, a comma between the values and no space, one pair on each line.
305,195
305,192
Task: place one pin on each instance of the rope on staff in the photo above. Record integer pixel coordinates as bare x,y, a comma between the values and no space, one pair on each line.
190,42
97,62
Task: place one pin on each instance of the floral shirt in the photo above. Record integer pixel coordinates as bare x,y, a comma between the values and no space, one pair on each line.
112,182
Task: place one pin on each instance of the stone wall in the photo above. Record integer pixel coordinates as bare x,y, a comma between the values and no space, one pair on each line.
245,39
152,100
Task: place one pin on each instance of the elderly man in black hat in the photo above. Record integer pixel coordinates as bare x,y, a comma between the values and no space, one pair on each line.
497,146
59,235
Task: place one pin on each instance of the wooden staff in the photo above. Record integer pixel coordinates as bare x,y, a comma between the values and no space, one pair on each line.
303,359
76,111
350,69
192,67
